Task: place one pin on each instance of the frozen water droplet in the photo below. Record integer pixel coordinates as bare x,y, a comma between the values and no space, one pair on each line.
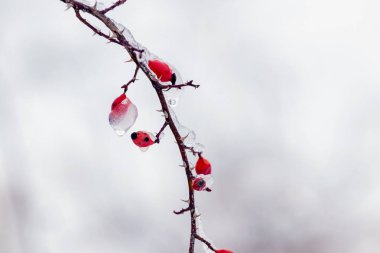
100,6
144,149
123,116
173,102
120,132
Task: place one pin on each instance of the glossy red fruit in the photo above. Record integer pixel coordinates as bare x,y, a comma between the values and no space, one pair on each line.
142,139
203,166
199,184
118,101
223,251
162,70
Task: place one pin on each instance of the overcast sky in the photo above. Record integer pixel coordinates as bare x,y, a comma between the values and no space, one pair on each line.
288,110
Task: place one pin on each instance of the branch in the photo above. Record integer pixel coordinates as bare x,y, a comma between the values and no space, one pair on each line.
122,40
159,133
183,210
205,242
116,4
125,86
179,86
93,28
192,150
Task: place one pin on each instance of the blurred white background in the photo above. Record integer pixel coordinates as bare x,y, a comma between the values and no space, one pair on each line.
288,110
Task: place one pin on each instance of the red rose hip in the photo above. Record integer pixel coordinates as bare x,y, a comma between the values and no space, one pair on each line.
223,251
162,70
203,166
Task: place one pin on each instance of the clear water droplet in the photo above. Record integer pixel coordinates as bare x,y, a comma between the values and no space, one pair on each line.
173,102
144,149
120,132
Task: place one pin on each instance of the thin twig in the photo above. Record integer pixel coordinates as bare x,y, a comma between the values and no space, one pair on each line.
125,86
116,4
160,132
183,210
193,151
179,86
198,237
93,28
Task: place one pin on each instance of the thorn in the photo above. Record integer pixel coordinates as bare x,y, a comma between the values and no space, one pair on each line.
130,60
186,201
95,5
197,216
160,110
184,137
94,34
108,42
182,165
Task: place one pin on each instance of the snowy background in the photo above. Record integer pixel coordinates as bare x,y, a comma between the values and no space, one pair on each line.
288,110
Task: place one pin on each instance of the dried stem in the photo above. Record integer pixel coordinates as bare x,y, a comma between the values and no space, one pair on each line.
205,242
121,40
179,86
93,28
160,132
125,86
193,151
116,4
183,210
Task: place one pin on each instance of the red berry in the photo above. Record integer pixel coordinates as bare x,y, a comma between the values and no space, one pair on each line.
199,184
161,69
142,139
118,101
223,251
203,166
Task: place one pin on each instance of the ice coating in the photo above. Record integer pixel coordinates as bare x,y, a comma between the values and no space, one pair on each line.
201,233
100,6
172,95
188,135
127,34
84,2
123,115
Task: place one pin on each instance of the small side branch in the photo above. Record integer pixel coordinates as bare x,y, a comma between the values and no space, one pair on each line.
116,4
125,86
183,210
193,151
160,132
179,86
93,28
205,242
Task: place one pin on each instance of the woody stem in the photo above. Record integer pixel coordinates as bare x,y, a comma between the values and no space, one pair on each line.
121,40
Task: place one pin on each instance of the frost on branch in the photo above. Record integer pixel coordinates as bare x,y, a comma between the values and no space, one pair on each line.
188,136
